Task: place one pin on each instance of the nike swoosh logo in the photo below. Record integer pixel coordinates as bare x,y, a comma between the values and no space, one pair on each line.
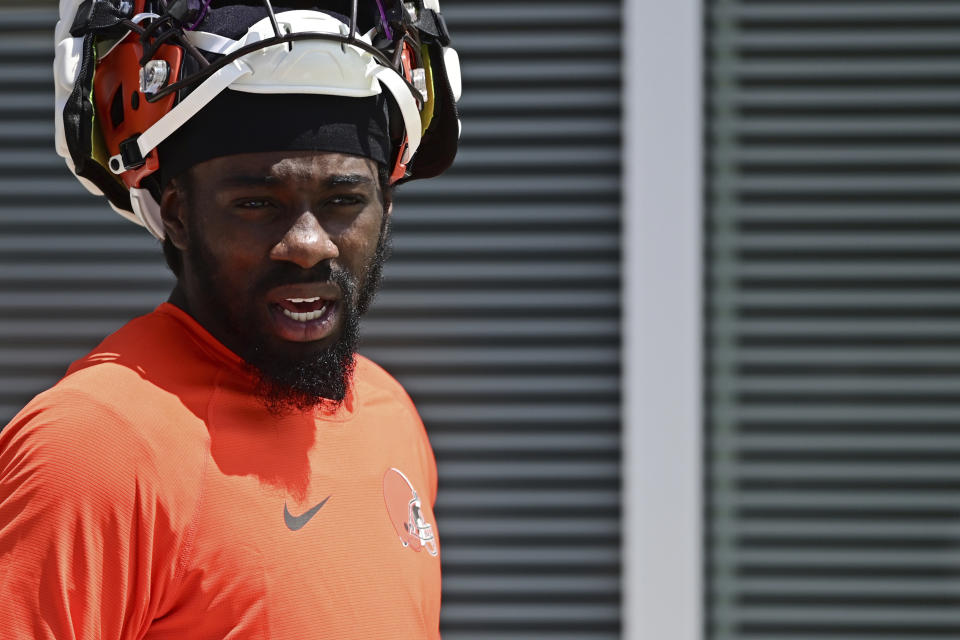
295,523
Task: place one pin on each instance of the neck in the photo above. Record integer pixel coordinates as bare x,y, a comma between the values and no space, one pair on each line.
179,299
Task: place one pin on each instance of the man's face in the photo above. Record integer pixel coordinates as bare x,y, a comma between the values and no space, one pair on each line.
281,253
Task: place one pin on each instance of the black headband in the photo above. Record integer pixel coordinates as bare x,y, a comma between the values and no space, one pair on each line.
240,122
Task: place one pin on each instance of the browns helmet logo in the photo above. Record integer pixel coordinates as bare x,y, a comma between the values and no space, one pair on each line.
406,512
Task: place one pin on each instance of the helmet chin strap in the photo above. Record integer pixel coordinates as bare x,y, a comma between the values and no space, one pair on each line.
147,211
175,118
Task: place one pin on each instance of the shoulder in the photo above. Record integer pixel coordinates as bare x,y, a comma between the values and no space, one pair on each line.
91,492
376,386
152,376
102,429
158,345
65,438
373,379
105,439
133,406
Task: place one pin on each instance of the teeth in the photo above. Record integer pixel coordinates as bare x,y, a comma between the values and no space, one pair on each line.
299,300
306,317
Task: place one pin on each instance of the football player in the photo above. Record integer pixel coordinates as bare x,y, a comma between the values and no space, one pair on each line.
227,466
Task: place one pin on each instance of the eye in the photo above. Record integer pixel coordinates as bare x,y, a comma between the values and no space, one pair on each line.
254,203
347,200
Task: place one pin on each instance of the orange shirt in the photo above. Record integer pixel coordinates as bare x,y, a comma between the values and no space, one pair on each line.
150,495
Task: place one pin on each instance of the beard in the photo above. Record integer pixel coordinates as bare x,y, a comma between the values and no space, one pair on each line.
288,383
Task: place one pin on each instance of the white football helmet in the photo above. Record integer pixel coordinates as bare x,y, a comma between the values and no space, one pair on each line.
129,73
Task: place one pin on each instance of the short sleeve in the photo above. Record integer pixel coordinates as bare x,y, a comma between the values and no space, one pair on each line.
428,460
87,549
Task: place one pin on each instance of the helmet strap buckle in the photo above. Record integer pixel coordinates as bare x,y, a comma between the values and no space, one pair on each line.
129,157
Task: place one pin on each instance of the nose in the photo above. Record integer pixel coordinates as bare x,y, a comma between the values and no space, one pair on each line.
306,243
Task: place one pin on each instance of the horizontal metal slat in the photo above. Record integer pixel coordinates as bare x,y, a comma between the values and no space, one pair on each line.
822,634
484,17
796,526
530,526
814,616
524,443
877,327
839,40
868,355
542,72
21,387
586,41
852,559
836,385
540,158
825,185
839,240
865,97
565,556
468,632
549,127
541,470
24,17
928,298
839,412
884,70
552,616
864,155
917,503
831,12
556,412
531,586
850,470
866,271
37,76
17,46
528,501
509,387
867,125
902,587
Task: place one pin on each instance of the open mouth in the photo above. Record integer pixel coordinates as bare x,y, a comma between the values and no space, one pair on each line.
304,319
304,309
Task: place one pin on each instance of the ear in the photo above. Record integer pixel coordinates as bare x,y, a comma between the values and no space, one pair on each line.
173,214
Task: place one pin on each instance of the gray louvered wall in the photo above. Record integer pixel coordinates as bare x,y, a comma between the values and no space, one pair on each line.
499,314
833,138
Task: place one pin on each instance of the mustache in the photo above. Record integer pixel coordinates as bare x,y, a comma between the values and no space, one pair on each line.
288,273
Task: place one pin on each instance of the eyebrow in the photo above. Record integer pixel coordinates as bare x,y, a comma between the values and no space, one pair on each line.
348,179
338,180
248,181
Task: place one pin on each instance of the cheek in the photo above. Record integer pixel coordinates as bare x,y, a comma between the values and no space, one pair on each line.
358,246
234,262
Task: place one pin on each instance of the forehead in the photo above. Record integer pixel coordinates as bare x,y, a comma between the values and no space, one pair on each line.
286,167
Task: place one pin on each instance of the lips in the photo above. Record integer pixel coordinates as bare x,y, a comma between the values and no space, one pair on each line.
304,309
304,313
